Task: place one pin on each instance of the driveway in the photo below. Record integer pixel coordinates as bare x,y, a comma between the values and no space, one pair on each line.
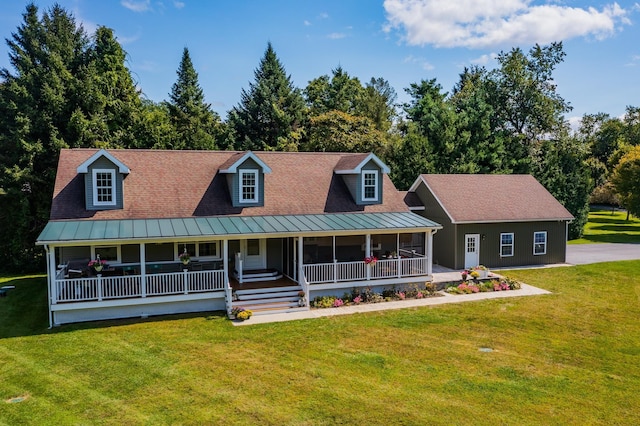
581,254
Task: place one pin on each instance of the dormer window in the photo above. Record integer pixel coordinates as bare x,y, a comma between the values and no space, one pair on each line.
104,188
248,186
370,185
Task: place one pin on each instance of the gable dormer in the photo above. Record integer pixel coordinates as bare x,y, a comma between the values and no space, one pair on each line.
245,179
103,181
363,176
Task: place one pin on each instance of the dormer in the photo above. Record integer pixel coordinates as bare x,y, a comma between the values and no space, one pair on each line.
245,179
103,181
363,176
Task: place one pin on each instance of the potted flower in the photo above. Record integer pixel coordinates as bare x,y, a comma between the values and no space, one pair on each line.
482,271
240,313
464,275
184,257
371,260
302,300
97,264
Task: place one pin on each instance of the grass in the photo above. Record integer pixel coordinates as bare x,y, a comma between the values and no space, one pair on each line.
566,358
607,226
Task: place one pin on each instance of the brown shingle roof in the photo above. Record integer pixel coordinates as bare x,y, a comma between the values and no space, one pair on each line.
494,198
166,184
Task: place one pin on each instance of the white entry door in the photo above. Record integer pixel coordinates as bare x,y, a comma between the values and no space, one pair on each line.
471,250
254,253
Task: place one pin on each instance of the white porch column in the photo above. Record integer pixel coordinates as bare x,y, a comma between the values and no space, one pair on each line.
301,259
399,258
428,252
367,253
225,260
143,270
51,275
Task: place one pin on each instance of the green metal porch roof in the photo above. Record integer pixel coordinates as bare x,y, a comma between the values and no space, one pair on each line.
229,226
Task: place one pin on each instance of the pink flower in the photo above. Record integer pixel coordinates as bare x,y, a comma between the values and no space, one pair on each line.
337,303
357,300
401,295
419,295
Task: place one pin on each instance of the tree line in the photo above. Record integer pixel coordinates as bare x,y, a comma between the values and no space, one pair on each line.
69,89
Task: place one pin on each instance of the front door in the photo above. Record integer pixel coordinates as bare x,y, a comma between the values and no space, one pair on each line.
254,253
471,250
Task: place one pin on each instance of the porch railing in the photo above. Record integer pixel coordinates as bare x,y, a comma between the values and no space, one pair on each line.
359,271
130,286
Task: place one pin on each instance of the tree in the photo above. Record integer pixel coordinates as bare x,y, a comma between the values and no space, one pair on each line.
626,181
409,156
435,120
109,105
560,165
271,113
337,131
47,55
196,125
523,95
479,146
347,117
63,91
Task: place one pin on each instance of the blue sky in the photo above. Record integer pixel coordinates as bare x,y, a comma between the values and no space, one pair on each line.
403,41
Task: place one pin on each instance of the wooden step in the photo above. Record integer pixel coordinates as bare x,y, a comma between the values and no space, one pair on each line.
268,290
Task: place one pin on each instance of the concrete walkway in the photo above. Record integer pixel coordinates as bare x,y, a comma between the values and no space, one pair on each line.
441,299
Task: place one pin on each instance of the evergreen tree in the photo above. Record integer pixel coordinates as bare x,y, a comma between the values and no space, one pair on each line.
196,125
271,113
47,55
63,92
109,108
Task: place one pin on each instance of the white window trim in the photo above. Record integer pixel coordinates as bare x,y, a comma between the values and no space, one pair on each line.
545,243
377,183
179,248
512,245
241,186
118,252
113,187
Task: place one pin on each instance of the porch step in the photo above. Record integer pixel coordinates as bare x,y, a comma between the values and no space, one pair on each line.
264,301
268,290
256,275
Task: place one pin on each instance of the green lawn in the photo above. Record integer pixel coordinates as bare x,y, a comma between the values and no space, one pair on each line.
572,357
606,226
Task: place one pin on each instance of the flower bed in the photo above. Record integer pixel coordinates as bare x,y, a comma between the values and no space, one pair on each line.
468,287
366,295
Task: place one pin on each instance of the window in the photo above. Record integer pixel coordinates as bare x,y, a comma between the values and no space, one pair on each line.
253,247
109,253
540,242
248,186
199,250
506,245
370,185
104,187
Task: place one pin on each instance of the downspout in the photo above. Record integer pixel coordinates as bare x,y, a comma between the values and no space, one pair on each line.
49,278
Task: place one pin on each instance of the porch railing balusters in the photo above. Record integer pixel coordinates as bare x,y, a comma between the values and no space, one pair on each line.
132,286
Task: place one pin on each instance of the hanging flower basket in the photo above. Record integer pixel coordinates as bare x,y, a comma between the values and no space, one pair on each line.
371,260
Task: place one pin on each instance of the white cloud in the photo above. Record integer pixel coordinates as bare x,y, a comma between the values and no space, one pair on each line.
484,59
574,123
178,4
427,66
307,23
336,36
137,6
323,15
490,23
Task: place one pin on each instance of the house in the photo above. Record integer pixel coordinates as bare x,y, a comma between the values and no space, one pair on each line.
265,230
492,220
